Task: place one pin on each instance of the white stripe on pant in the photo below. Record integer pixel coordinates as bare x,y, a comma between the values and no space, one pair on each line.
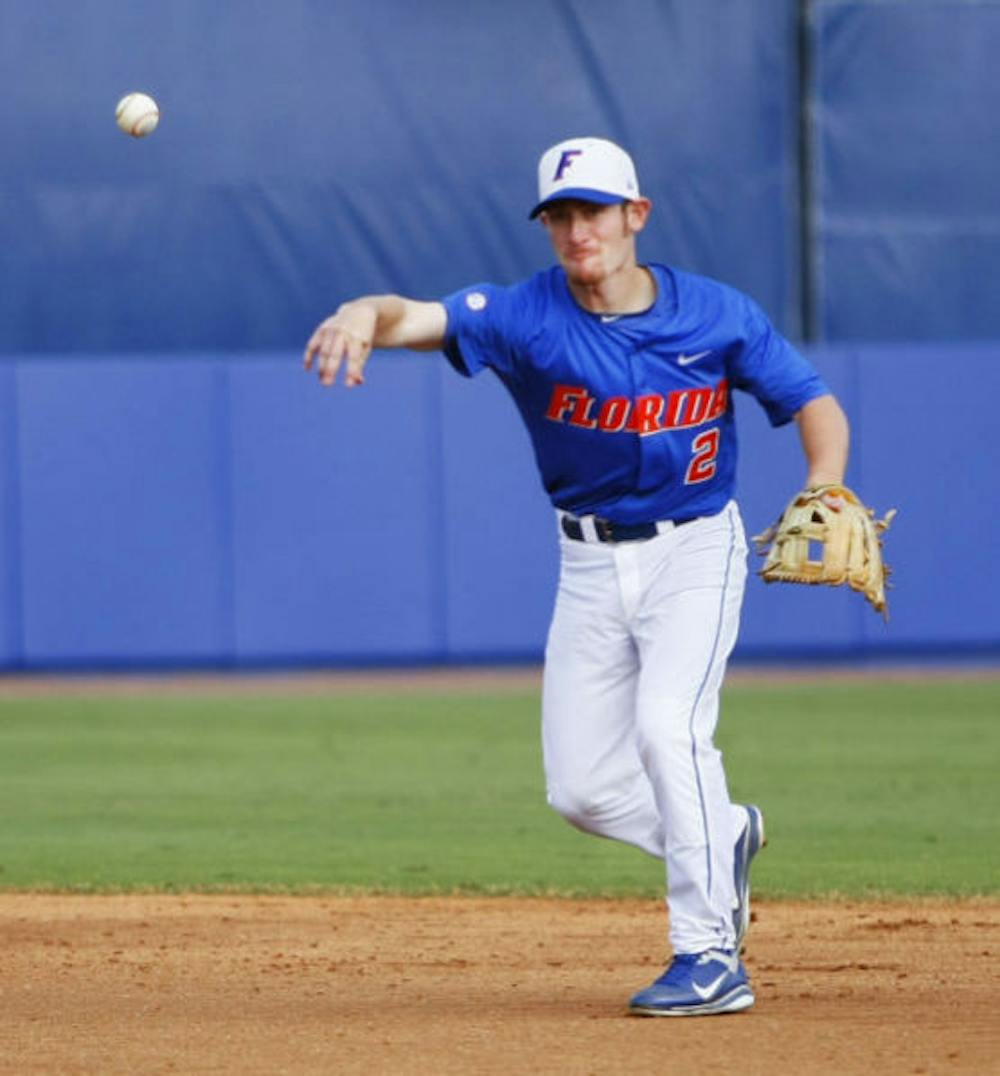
634,663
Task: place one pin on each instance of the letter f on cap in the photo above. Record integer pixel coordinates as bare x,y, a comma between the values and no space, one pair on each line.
590,169
564,162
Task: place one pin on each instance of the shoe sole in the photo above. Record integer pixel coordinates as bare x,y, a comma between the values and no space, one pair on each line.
742,915
738,999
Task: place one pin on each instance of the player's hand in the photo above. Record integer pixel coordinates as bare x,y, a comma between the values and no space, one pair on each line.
832,494
344,337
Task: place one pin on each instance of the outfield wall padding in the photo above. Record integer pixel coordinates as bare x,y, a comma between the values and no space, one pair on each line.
226,511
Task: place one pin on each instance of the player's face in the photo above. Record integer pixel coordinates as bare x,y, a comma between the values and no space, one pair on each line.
592,241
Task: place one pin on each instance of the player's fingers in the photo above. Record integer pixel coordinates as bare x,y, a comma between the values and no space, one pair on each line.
317,344
357,355
331,355
312,347
833,501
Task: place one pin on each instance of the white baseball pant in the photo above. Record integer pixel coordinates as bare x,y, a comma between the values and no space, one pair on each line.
634,663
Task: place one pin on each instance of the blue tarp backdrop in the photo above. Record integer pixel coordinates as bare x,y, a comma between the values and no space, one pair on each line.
174,490
310,150
905,98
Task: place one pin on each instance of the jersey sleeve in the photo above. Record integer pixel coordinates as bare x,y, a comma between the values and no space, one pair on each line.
773,371
481,329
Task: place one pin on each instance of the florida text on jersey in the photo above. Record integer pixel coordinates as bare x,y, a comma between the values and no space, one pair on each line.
631,416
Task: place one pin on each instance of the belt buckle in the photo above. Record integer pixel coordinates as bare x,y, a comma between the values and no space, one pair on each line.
604,529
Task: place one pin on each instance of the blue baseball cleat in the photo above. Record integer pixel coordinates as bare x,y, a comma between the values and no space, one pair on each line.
749,843
697,984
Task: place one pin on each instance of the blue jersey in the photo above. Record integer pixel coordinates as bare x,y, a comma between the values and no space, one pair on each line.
631,416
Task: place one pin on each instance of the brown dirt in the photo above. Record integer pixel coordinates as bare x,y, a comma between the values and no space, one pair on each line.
248,984
471,680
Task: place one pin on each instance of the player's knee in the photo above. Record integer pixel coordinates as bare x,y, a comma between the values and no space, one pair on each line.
579,805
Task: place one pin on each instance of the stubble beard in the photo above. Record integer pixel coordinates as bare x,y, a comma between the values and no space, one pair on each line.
595,271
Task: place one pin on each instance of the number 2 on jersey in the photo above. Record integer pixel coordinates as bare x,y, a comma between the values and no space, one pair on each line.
705,448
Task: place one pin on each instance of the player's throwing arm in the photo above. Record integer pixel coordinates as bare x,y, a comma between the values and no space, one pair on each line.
347,337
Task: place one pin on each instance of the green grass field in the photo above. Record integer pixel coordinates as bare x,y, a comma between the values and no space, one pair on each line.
874,788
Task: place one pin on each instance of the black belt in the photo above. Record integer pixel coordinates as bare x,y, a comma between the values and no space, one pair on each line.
607,531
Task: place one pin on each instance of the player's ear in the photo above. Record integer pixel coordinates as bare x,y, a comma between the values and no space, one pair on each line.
637,213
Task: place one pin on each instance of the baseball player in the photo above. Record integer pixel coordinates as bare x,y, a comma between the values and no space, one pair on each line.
624,375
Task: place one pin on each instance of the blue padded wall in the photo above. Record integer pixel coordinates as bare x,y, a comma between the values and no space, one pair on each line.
11,626
499,557
927,435
335,518
232,512
124,509
923,442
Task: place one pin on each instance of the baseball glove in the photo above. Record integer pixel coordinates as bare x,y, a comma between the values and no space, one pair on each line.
826,535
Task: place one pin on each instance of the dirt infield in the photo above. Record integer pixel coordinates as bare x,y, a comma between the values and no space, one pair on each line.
240,984
451,679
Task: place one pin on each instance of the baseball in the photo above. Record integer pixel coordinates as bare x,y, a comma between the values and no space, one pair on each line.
137,114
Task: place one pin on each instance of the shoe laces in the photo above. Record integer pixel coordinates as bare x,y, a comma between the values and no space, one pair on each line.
680,967
678,970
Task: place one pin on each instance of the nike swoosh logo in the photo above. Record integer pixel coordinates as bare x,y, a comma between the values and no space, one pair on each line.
715,956
705,992
609,317
686,360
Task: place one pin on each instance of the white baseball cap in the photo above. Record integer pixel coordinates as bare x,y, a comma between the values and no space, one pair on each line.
591,169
